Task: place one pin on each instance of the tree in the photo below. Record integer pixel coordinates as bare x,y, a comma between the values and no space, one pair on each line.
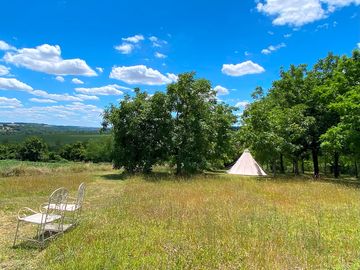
192,102
33,149
74,151
141,126
100,150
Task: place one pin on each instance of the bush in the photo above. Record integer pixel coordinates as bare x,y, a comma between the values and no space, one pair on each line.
74,151
33,149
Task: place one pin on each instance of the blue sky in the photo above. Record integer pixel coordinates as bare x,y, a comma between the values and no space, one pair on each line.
62,62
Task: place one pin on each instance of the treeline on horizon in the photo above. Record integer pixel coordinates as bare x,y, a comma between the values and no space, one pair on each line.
309,120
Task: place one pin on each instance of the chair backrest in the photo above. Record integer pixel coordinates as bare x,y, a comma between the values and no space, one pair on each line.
81,195
57,200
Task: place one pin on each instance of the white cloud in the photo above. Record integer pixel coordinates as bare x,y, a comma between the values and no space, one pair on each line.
273,48
140,74
287,35
271,33
87,97
241,69
5,47
220,90
246,53
100,69
160,55
47,58
300,12
242,104
112,89
76,113
4,70
60,78
125,48
173,77
14,84
57,97
134,39
156,42
358,45
9,103
77,81
42,100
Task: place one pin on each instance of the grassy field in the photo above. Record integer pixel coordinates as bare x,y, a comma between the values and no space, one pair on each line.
206,222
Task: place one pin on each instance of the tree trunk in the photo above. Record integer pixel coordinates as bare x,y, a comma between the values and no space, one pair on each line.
274,167
282,169
296,166
315,159
356,169
336,165
302,166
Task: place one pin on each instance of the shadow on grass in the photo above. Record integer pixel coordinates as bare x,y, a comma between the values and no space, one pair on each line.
150,177
307,177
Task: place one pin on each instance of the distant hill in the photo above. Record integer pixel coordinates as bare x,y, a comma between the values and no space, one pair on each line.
37,129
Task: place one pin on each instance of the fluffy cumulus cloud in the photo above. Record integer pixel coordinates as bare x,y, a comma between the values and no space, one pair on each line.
358,45
60,78
134,39
141,74
47,58
125,48
9,103
4,70
300,12
14,84
220,90
5,47
128,44
273,48
107,90
77,81
241,69
42,100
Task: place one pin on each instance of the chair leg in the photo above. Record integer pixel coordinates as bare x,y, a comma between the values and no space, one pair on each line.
16,233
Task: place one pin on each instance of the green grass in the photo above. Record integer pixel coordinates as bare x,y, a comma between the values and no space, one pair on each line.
9,168
205,222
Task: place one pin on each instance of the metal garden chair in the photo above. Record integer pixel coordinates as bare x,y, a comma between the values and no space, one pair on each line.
73,206
47,216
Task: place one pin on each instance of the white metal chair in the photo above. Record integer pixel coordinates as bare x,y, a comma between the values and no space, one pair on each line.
45,217
74,206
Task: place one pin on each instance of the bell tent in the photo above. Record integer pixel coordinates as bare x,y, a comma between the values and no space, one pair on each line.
246,165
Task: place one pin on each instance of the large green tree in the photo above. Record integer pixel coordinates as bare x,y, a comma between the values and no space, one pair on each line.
141,126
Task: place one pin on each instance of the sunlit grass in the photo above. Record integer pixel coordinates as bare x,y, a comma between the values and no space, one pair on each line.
203,222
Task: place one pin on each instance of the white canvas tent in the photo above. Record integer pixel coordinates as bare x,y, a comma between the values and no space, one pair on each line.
246,165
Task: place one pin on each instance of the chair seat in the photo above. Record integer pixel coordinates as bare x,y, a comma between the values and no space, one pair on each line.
67,207
39,218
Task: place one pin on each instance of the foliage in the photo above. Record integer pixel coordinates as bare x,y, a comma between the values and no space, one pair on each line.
74,151
185,126
141,127
306,111
100,150
33,149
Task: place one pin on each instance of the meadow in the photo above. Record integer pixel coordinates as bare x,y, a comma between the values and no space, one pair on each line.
208,221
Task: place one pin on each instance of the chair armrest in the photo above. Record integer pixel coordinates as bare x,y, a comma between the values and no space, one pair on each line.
23,212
